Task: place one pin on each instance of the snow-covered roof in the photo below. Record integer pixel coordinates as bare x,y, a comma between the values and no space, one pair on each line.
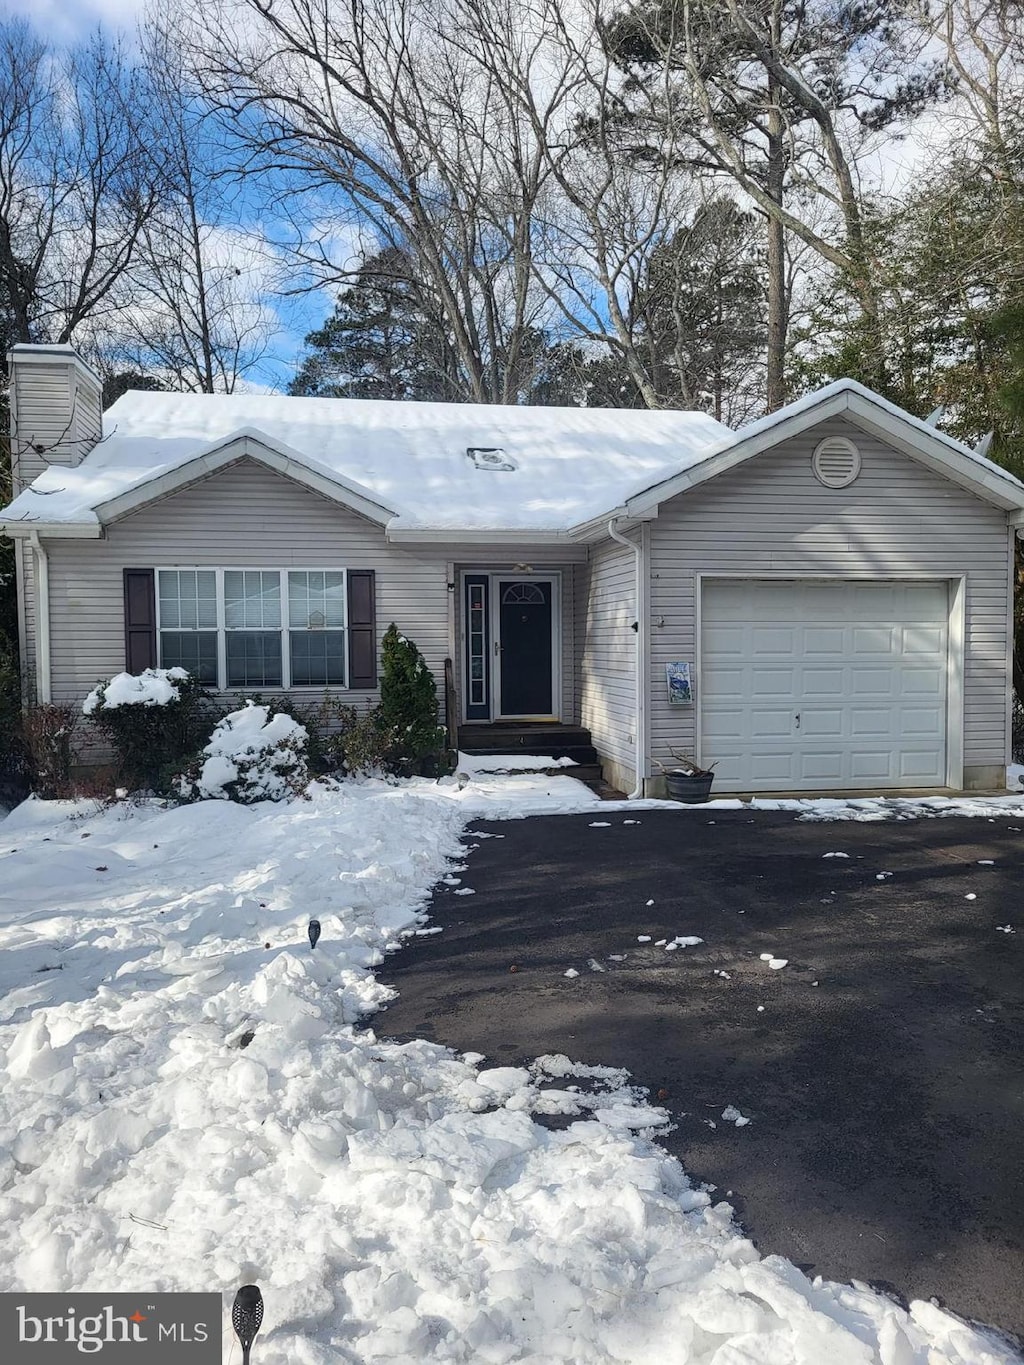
411,466
571,464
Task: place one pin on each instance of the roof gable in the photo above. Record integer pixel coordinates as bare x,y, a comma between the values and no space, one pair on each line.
255,446
864,409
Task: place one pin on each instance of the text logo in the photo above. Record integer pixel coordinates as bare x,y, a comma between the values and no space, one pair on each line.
117,1329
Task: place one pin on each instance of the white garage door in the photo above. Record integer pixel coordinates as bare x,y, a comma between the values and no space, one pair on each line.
823,685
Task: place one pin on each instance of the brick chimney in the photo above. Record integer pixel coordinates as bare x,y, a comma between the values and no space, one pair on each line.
55,410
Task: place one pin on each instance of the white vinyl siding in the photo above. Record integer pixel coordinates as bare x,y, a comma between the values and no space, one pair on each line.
608,663
771,517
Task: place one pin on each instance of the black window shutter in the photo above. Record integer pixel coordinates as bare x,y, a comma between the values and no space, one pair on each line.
362,628
139,620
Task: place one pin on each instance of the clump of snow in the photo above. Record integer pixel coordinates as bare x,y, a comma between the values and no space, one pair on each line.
188,1102
252,756
152,687
471,764
732,1115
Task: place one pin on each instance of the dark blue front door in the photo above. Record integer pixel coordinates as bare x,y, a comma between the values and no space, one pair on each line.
524,628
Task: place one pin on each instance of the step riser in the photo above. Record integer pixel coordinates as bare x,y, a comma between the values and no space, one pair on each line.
525,741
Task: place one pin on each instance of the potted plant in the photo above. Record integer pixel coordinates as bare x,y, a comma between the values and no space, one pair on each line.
686,780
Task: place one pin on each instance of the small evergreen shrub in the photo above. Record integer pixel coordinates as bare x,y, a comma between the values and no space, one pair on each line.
46,732
252,755
154,720
408,706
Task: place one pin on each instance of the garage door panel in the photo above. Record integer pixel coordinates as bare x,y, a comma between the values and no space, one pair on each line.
925,766
771,682
821,766
922,682
863,665
870,723
725,641
773,769
822,723
821,682
726,725
874,682
772,640
771,722
823,640
879,640
868,766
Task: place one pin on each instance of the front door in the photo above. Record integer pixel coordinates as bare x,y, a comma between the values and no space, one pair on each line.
511,653
525,654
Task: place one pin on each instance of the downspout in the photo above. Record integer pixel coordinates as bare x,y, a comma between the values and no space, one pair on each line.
42,577
640,723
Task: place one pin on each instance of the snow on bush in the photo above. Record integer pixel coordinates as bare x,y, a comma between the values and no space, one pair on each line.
152,687
252,756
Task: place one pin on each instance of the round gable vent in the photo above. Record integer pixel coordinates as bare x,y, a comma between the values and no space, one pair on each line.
836,461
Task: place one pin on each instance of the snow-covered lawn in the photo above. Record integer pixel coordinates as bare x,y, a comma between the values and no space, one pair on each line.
186,1103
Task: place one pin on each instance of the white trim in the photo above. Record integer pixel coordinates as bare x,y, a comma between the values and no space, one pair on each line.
286,684
251,445
42,586
956,635
461,535
956,586
639,681
21,528
1010,642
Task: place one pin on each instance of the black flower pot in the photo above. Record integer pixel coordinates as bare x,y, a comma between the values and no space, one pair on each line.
693,788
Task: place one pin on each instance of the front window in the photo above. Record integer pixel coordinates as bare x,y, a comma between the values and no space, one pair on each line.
254,628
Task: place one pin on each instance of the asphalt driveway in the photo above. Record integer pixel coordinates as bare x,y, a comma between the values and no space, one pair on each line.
882,1069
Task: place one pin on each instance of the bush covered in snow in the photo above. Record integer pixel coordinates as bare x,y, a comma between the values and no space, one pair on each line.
153,720
253,755
408,706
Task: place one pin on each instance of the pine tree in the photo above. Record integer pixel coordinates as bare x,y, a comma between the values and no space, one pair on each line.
408,701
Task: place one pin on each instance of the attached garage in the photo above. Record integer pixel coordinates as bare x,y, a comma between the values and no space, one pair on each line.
824,684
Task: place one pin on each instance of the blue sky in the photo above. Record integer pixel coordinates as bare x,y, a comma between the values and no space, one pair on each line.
70,21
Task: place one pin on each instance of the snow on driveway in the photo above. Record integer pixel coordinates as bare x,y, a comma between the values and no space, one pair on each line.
186,1104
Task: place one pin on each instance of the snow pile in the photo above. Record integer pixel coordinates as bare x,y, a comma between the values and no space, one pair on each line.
152,687
252,756
471,764
185,1103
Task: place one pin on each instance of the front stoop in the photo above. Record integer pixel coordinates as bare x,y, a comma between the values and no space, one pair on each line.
543,738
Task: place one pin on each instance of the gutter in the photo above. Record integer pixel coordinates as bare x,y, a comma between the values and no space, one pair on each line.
42,585
640,724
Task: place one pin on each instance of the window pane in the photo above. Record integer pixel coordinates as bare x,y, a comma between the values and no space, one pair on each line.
193,650
316,601
318,657
252,599
254,658
188,599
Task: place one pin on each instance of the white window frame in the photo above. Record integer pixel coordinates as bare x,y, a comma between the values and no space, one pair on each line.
284,631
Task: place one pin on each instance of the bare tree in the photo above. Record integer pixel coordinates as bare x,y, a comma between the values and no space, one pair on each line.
76,184
195,313
377,124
